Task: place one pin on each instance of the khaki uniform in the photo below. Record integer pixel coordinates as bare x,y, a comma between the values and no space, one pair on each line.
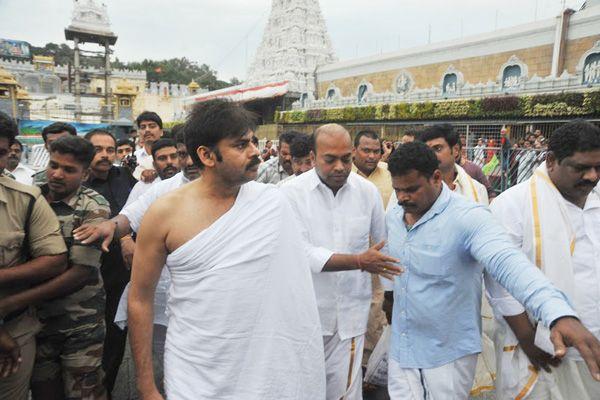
17,202
382,179
70,344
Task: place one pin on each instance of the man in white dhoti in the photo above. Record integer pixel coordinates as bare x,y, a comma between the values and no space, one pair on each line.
243,321
443,242
339,213
128,221
445,142
554,217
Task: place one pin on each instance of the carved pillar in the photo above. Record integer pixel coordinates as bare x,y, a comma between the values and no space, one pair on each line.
107,90
77,70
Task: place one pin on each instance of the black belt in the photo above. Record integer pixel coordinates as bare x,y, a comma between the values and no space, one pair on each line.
15,314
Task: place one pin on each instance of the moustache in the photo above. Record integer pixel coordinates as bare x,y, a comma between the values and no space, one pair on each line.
255,161
407,204
586,183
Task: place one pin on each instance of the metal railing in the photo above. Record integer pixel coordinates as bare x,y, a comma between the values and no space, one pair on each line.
506,167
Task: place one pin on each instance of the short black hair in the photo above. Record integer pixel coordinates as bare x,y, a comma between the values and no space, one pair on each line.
8,128
575,136
58,127
161,144
82,150
211,121
413,156
123,142
17,142
301,146
288,137
176,133
444,131
149,116
88,136
366,133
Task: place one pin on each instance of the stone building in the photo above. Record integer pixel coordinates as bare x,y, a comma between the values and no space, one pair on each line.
547,56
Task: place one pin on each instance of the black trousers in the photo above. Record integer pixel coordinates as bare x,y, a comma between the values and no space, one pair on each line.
115,277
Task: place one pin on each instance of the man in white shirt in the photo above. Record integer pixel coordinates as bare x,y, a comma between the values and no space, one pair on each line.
554,217
21,173
301,160
165,162
276,169
150,128
340,214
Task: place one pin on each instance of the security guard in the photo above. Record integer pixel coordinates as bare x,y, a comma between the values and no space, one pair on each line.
32,251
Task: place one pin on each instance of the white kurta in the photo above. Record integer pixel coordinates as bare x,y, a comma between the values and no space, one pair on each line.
243,321
134,211
139,189
345,224
338,224
23,174
144,161
560,224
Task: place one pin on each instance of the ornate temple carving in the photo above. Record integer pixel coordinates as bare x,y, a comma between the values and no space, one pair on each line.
295,42
91,17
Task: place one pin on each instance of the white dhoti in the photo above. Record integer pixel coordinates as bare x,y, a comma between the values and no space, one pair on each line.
572,380
344,367
539,220
450,381
243,319
160,302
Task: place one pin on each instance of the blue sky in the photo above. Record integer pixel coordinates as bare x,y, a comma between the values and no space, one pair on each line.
226,33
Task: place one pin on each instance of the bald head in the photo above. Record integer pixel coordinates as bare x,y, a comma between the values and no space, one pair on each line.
329,134
332,155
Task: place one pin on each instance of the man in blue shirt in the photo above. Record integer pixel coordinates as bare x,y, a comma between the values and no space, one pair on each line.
444,241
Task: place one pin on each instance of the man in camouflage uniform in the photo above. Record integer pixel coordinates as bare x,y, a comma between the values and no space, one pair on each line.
32,251
68,362
51,133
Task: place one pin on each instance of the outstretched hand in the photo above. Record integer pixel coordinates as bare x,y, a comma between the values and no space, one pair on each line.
88,233
569,332
375,262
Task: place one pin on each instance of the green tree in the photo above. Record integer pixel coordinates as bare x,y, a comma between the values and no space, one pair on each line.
174,70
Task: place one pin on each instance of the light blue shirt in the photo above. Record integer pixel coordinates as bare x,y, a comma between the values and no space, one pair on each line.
437,300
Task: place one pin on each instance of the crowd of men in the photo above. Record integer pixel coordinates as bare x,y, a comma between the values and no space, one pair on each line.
247,274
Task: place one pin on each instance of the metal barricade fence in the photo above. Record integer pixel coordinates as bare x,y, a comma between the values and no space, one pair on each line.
505,168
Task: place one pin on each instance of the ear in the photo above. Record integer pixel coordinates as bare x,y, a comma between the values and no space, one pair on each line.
313,156
551,161
437,176
206,156
86,174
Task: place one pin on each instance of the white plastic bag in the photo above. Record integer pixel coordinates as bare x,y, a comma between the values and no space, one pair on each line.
377,366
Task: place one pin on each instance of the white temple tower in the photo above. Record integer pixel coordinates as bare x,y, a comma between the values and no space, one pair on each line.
294,43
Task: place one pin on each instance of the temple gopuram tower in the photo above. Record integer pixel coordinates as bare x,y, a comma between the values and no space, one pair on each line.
294,43
90,24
